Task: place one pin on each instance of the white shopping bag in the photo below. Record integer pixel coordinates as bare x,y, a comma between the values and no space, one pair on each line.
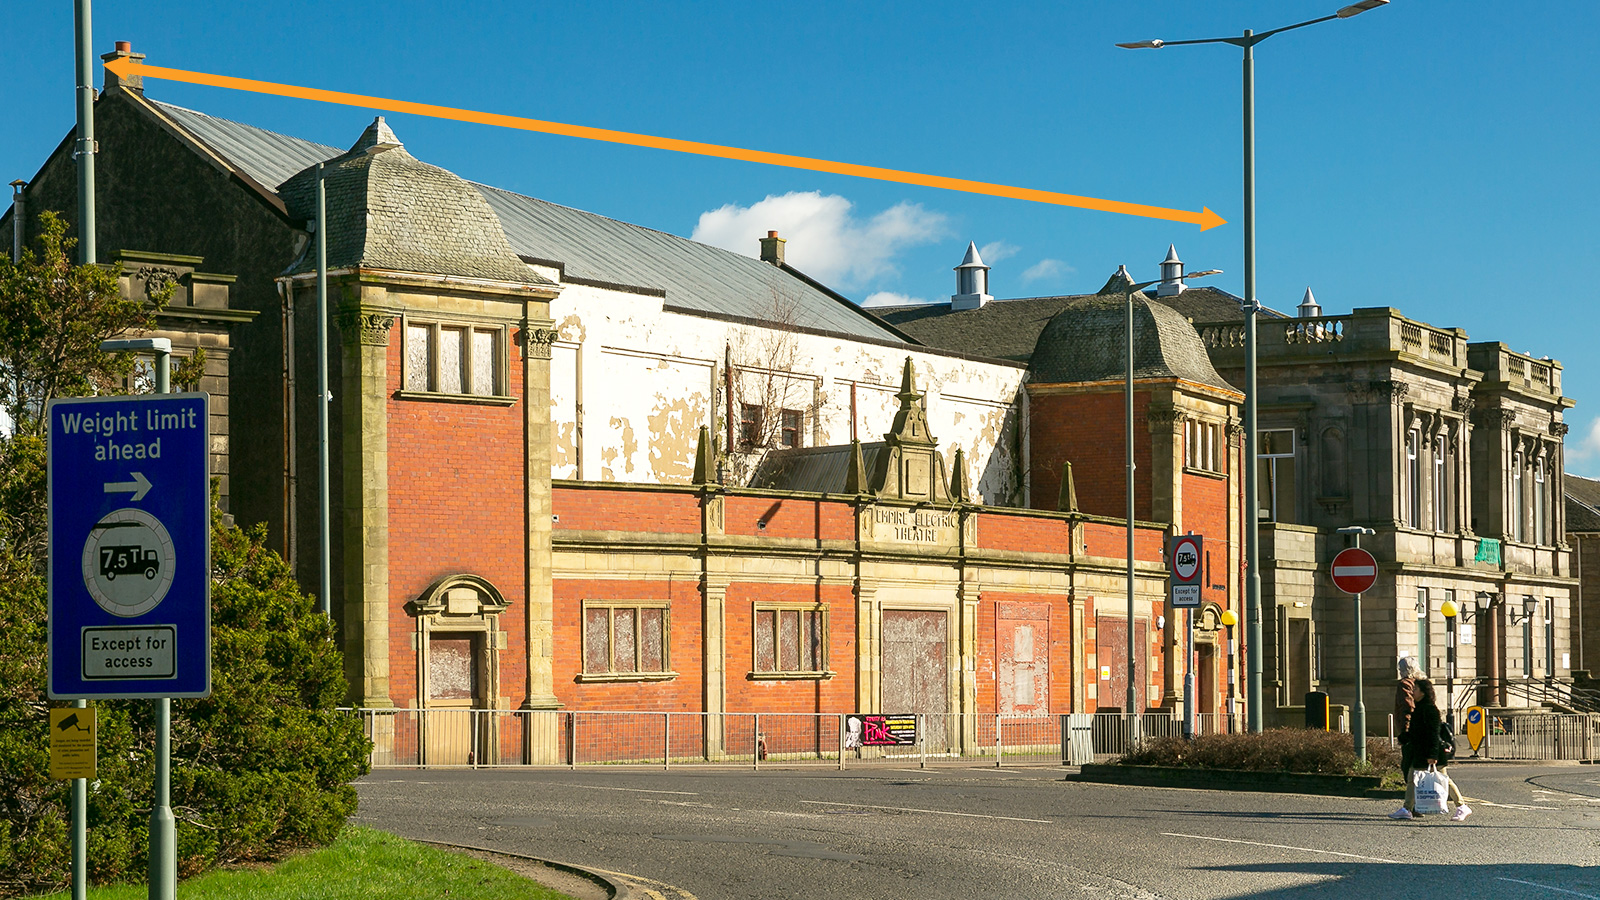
1432,787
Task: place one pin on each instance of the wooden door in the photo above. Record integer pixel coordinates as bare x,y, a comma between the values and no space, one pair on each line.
1111,650
915,668
453,687
1022,651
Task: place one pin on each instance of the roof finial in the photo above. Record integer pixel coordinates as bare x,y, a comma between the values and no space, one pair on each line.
1308,308
1171,274
972,281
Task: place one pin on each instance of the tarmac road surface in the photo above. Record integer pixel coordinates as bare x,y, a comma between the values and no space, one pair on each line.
963,833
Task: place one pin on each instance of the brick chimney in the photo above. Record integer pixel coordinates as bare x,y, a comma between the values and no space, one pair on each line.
772,248
134,83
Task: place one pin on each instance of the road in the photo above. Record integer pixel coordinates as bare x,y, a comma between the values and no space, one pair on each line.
962,833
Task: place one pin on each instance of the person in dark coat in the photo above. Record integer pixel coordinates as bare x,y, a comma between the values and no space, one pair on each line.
1424,746
1404,702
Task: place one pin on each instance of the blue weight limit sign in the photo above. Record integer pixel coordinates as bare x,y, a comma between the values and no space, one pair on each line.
130,547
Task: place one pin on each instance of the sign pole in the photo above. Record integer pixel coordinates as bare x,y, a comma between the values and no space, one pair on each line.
86,249
163,828
1354,571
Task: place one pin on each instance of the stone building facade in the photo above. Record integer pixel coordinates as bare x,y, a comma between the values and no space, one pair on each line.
544,431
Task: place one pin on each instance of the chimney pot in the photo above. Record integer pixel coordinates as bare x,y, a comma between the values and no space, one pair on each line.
130,82
772,248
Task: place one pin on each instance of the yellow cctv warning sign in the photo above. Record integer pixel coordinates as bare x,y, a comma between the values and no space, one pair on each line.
72,745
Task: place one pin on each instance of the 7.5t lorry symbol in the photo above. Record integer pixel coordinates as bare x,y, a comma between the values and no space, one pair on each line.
128,559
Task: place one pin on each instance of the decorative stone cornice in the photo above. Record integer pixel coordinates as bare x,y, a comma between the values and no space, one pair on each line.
536,340
1462,404
1559,429
1166,417
1495,417
367,326
1395,390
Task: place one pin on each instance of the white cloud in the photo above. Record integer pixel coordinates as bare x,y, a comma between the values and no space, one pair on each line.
890,298
1584,458
825,239
998,250
1047,268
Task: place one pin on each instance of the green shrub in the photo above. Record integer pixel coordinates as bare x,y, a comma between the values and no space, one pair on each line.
1276,750
261,767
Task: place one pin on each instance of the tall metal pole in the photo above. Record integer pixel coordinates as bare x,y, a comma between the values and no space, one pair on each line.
1252,488
1358,720
1133,669
324,550
84,154
163,828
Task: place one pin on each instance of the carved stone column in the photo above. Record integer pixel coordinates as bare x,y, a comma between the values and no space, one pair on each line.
535,337
364,465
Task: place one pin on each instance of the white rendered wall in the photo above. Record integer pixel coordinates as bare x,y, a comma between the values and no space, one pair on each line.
631,384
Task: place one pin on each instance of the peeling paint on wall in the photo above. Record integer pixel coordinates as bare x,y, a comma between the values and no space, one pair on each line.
674,435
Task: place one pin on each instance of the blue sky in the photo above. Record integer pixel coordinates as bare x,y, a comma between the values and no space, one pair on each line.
1432,155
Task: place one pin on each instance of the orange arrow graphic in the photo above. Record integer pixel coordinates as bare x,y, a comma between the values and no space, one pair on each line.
126,68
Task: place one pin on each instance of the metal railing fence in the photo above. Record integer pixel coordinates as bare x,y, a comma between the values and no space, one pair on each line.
478,738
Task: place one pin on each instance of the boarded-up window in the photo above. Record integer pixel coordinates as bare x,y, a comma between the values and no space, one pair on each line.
452,673
450,361
1022,671
418,352
444,359
789,640
483,363
624,638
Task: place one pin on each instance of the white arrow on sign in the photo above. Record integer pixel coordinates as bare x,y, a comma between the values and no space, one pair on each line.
140,486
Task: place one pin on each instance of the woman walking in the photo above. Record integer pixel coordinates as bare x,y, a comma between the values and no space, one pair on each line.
1424,746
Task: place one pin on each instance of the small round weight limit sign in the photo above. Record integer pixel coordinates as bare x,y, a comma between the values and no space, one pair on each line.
128,562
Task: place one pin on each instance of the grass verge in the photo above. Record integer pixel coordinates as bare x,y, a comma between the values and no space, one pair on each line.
363,863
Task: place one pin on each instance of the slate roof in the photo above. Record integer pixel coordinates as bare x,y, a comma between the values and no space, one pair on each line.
1010,329
818,470
588,247
390,210
1583,503
693,276
1085,343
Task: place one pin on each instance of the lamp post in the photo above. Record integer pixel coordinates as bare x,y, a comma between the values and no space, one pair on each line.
163,865
1228,621
1251,306
1128,294
324,396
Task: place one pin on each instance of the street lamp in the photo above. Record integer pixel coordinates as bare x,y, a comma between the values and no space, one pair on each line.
1228,621
1252,307
1128,293
1358,714
1451,612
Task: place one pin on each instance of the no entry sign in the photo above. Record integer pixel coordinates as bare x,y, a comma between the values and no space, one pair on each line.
1354,570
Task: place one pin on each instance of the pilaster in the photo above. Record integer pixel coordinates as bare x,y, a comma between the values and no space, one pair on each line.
364,464
537,333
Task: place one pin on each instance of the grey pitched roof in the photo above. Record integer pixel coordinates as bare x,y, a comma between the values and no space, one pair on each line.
818,470
1583,503
587,246
266,156
693,276
390,210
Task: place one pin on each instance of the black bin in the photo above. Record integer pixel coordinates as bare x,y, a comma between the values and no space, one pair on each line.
1317,710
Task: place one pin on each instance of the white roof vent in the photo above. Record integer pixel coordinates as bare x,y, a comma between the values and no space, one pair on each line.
972,281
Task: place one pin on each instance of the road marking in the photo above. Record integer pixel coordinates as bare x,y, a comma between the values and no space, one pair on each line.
1511,805
1202,837
937,812
596,787
1549,888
